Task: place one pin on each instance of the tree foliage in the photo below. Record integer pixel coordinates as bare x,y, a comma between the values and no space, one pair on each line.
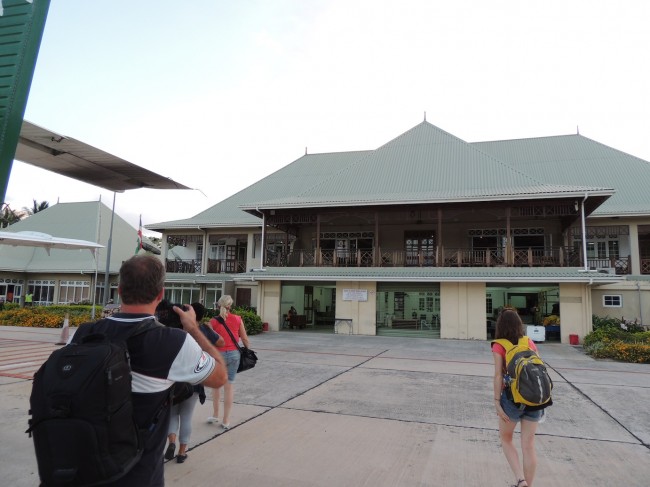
8,216
36,207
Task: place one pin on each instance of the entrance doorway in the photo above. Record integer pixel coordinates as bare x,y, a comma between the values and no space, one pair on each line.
314,304
408,309
535,304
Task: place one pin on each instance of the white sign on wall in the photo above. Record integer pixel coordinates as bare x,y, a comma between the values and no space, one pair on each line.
355,295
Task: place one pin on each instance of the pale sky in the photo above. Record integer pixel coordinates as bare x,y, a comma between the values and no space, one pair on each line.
218,94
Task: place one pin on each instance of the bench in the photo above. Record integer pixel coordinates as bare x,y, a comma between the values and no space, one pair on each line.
399,323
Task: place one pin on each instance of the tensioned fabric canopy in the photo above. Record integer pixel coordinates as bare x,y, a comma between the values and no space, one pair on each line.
45,240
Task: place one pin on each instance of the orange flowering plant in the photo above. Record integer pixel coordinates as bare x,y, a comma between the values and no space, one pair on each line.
48,316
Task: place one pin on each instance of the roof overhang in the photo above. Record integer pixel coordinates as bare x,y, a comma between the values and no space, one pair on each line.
592,200
167,226
69,157
441,274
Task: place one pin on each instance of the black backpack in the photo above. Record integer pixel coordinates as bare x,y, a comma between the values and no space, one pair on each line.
82,415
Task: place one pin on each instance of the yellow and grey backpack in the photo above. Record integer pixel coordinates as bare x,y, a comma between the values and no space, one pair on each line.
529,381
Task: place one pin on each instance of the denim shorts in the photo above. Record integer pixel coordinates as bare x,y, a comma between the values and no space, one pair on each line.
232,363
518,412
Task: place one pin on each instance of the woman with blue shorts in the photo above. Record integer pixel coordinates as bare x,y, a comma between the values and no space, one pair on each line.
230,354
510,327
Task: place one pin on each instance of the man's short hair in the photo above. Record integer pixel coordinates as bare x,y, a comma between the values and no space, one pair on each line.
142,278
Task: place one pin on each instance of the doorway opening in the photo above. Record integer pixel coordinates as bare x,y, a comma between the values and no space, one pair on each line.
308,306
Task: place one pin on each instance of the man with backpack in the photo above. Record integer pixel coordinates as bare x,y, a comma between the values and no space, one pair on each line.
158,355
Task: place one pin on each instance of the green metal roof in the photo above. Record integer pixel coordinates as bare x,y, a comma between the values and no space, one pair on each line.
84,221
427,164
288,180
424,165
574,159
430,274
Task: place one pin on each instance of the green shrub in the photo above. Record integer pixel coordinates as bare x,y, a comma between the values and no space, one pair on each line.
252,322
48,316
618,339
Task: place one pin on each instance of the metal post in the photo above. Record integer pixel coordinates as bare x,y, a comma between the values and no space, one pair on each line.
108,256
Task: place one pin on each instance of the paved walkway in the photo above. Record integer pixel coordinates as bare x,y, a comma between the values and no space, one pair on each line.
336,410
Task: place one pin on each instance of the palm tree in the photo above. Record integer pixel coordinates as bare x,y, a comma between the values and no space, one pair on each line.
8,216
36,208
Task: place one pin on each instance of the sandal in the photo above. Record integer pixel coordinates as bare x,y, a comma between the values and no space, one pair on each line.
181,458
518,484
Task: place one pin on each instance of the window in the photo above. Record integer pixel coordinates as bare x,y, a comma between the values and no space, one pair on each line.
43,291
74,292
212,294
182,293
99,298
426,302
218,250
612,301
420,247
488,304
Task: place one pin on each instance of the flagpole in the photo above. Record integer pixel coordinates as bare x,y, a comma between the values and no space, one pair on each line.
140,246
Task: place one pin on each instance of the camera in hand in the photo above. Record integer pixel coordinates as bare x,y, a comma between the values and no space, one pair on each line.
167,316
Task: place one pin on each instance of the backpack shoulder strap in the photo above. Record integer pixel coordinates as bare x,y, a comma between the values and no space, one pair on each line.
523,342
505,343
232,337
90,327
143,327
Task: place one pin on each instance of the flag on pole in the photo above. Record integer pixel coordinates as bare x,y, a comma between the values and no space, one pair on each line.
139,242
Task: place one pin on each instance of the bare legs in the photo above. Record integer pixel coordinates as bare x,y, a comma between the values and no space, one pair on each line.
528,451
228,399
215,402
528,428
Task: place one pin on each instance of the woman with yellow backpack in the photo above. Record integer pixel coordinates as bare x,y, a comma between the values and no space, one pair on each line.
509,330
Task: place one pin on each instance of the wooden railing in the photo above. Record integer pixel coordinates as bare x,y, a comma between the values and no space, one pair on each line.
215,266
446,257
183,266
645,265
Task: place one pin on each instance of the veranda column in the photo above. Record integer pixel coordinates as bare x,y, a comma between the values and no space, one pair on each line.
509,250
439,239
318,261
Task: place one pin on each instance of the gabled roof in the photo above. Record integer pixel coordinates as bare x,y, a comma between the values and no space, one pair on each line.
424,165
84,221
574,159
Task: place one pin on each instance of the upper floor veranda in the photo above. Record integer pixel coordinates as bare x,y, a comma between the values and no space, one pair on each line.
531,235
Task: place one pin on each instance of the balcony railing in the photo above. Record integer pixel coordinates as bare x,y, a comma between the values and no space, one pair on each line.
183,266
228,266
446,257
645,265
215,266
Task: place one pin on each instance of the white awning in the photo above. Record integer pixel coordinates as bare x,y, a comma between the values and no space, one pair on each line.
44,240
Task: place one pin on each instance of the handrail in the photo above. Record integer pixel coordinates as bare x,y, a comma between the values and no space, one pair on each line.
444,257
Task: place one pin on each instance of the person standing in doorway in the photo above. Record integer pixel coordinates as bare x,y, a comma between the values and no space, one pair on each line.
510,327
29,298
231,355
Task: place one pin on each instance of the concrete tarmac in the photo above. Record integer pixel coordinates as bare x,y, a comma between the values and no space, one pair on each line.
340,410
